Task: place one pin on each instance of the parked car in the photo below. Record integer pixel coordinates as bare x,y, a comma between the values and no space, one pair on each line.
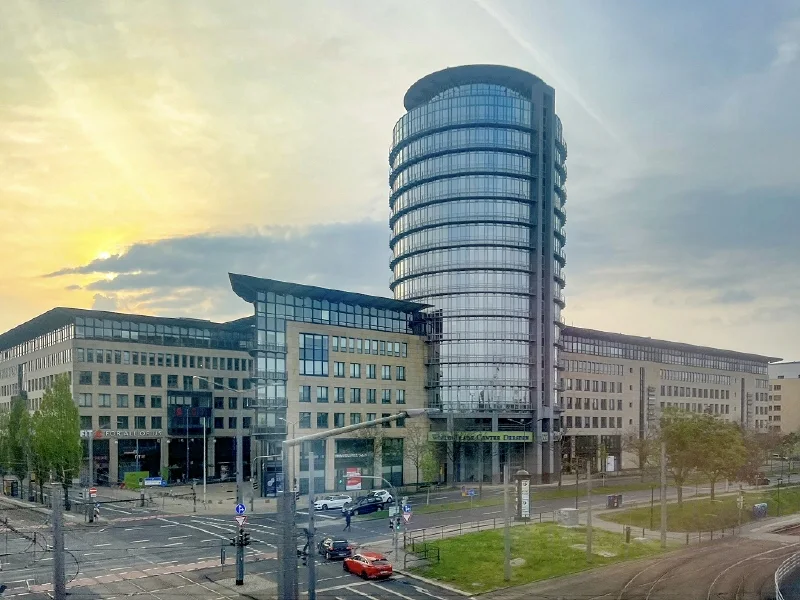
333,548
332,501
385,496
363,506
369,565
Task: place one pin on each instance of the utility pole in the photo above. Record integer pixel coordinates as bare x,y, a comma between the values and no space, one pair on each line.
663,494
287,549
588,512
577,480
506,527
239,474
312,569
59,578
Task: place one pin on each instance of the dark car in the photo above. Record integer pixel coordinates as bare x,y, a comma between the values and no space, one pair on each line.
331,548
363,506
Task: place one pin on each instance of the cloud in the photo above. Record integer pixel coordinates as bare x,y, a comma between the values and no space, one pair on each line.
189,274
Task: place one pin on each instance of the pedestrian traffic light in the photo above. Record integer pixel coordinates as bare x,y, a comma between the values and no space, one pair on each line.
255,484
233,541
246,539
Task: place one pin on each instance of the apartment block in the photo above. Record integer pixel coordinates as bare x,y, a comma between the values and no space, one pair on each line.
783,412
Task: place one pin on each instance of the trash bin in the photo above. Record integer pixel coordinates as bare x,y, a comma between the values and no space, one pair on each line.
627,535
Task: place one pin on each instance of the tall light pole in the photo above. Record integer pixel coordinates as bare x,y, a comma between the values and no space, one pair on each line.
292,456
287,549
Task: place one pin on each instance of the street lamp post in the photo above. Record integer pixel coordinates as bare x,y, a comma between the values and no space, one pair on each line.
292,456
287,551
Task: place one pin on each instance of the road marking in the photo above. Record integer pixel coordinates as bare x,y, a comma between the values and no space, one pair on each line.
426,592
224,537
101,545
165,526
139,541
118,568
167,562
173,544
208,540
92,553
130,529
178,537
386,588
494,512
353,589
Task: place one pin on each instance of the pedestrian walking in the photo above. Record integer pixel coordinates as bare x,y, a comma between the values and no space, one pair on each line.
347,518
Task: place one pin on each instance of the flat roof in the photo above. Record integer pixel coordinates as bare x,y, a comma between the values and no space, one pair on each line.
60,316
245,286
435,83
623,338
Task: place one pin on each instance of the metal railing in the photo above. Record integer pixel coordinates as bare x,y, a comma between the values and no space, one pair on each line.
440,532
789,566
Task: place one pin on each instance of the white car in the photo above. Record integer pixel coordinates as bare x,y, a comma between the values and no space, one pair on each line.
385,496
332,501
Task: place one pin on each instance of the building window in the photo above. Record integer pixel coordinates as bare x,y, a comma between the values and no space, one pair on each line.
155,422
85,378
382,350
569,422
86,422
401,373
233,403
84,400
155,401
338,419
155,381
338,396
404,350
322,420
338,369
122,422
386,372
304,420
386,396
401,422
355,370
305,393
140,422
104,400
104,422
322,393
172,382
335,343
371,417
139,380
401,396
372,395
233,383
218,383
355,396
355,418
603,422
104,378
371,371
122,400
219,403
219,422
351,345
386,425
247,422
231,422
313,359
139,402
117,357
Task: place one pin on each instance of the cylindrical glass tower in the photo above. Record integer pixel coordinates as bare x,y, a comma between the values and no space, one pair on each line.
477,172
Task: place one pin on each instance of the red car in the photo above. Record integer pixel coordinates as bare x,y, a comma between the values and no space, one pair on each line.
369,565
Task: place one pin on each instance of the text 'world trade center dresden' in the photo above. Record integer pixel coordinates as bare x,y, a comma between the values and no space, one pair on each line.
477,178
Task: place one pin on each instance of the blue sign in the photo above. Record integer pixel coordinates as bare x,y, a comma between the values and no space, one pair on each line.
240,509
406,508
471,492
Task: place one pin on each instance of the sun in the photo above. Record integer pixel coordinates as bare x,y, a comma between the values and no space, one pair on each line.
103,256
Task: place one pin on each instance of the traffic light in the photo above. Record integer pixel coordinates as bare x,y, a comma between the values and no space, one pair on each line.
245,539
255,484
233,541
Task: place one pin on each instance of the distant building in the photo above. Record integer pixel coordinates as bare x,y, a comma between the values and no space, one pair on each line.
615,383
783,413
137,381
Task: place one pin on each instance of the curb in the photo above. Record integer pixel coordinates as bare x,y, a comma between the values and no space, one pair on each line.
433,582
39,509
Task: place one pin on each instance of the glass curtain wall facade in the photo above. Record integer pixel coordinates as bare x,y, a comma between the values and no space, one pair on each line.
477,175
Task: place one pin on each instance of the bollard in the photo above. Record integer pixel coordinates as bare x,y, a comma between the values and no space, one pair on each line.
642,531
627,535
712,535
687,538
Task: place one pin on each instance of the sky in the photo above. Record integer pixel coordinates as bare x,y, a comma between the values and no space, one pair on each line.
149,148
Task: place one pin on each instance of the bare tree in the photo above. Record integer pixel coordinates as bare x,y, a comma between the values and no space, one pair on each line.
644,447
417,446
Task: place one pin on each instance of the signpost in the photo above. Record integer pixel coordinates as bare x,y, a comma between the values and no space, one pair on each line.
241,521
406,511
152,481
92,492
240,509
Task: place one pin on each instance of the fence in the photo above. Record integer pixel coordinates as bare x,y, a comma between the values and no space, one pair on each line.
788,567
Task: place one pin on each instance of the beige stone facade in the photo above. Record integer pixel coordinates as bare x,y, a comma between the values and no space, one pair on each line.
783,413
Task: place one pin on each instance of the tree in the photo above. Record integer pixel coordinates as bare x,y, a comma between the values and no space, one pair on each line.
679,431
643,447
416,445
56,439
5,443
721,450
19,439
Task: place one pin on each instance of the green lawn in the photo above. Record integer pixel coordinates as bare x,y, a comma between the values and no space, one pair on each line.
474,562
705,515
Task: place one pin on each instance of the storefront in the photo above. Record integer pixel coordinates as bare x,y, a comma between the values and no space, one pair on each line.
353,458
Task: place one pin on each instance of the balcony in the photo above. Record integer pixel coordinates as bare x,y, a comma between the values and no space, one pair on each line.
255,346
561,277
562,365
559,297
270,375
277,430
271,403
561,255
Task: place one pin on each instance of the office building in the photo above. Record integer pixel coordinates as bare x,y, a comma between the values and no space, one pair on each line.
477,174
326,358
141,384
783,413
617,384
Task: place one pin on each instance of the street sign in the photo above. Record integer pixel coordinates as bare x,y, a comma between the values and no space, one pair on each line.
92,492
241,521
406,517
240,509
406,508
471,492
152,481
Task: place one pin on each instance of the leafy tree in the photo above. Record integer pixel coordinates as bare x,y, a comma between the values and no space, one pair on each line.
19,439
5,444
721,450
643,447
430,464
680,431
416,445
56,440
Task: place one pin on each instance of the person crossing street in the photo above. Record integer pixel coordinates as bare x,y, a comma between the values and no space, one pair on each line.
347,518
